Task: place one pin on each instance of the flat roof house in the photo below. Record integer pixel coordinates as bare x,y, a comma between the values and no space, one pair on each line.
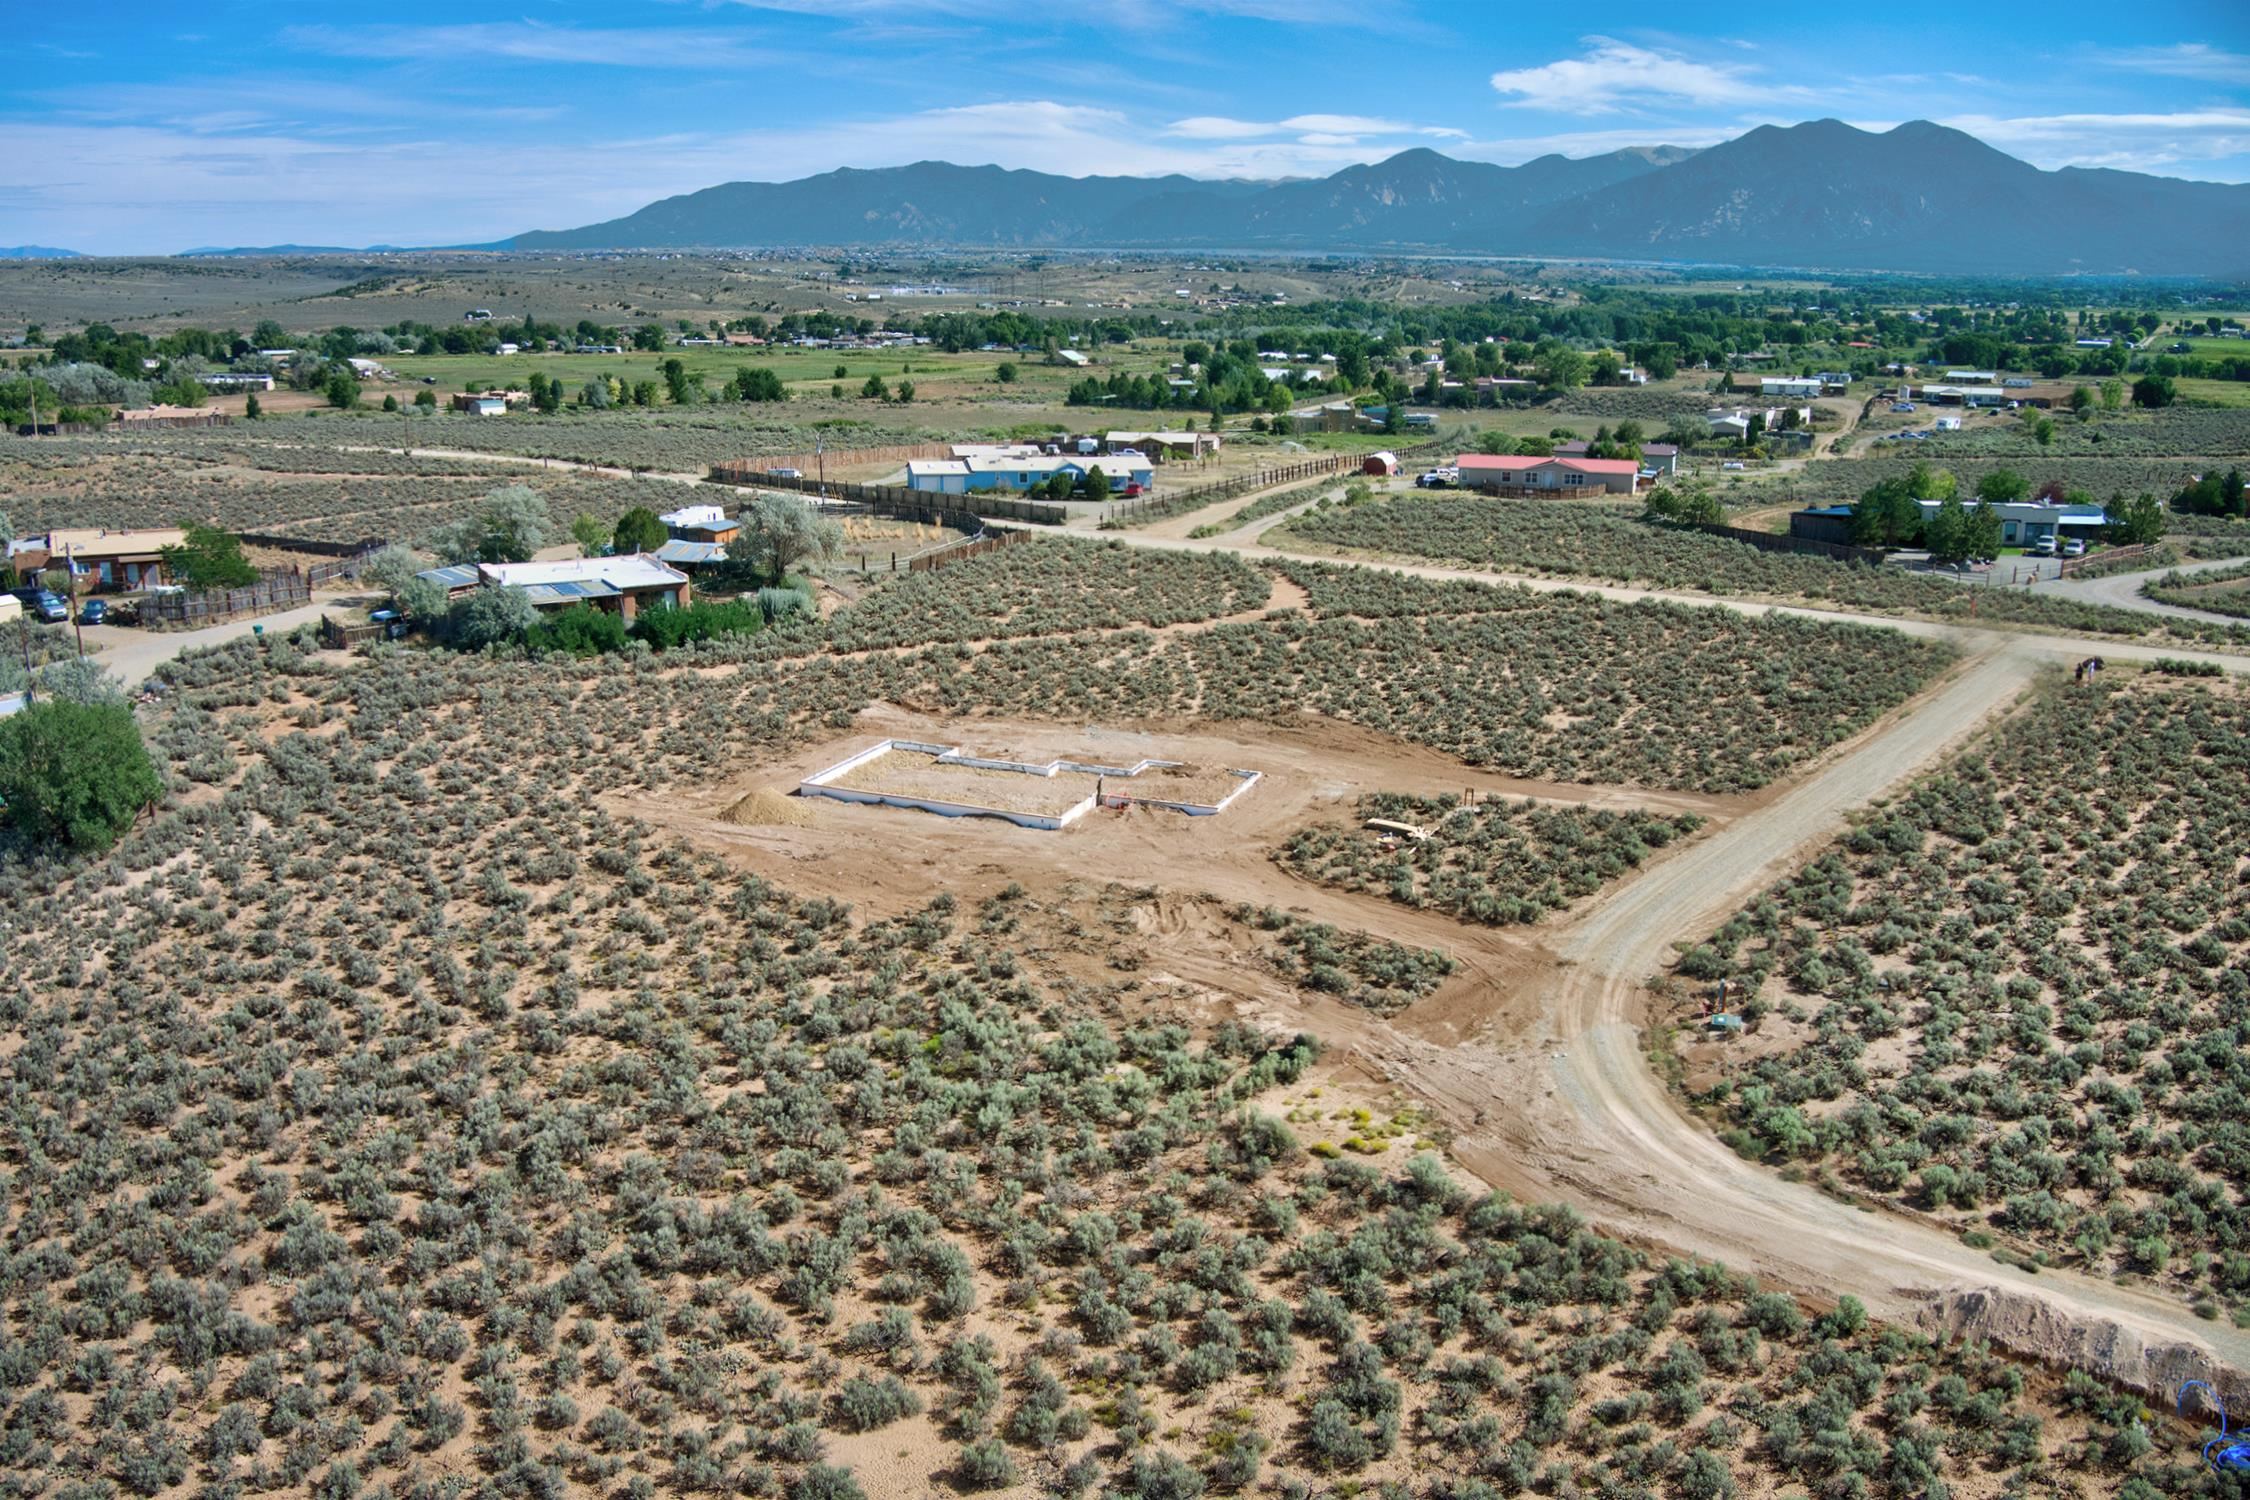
627,584
701,523
1505,474
1778,386
110,559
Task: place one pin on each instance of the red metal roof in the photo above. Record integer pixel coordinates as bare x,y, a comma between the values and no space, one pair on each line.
1526,461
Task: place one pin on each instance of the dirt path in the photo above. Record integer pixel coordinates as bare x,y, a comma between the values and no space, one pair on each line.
2123,590
134,655
1570,1109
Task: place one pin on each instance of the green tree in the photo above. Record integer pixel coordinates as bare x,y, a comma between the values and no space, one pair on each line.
342,389
2142,521
252,408
758,384
489,616
875,389
1982,535
208,558
510,524
1927,483
392,568
676,383
2003,487
905,392
589,533
424,398
781,531
75,771
2154,391
1947,535
390,401
2082,399
648,338
1097,483
2113,394
1005,372
1887,515
1558,366
638,530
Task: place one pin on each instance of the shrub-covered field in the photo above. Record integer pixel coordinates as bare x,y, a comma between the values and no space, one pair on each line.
2017,996
1582,541
392,1121
1358,968
2174,431
322,494
1838,481
2222,590
1495,863
1050,586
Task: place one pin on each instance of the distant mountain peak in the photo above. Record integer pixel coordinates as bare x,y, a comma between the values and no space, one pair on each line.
1820,194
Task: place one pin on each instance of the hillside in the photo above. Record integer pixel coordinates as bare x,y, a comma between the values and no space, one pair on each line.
1920,197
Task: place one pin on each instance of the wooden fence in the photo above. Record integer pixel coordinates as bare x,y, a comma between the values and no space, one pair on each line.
898,502
306,544
1767,541
962,551
2106,556
1180,502
894,453
192,611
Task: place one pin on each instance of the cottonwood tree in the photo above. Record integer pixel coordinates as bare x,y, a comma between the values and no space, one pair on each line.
510,524
781,531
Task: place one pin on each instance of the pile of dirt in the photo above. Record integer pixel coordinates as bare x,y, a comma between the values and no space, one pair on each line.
2035,1329
767,806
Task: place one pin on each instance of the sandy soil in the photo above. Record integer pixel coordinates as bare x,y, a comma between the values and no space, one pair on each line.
1531,1055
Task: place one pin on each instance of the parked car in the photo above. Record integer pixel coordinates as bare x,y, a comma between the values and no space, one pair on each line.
1434,480
1734,463
96,612
2043,547
44,605
788,473
2075,547
1133,490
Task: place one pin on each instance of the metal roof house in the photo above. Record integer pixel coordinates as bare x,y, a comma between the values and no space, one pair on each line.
1023,471
690,557
1522,474
127,559
626,584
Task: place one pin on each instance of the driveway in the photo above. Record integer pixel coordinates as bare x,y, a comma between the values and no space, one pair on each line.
134,655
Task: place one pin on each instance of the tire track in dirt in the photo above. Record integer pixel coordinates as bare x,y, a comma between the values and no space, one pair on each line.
1571,1110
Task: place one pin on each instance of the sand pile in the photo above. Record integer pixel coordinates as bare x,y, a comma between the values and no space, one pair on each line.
767,806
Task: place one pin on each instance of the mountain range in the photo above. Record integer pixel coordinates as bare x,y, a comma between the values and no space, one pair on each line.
1822,195
37,252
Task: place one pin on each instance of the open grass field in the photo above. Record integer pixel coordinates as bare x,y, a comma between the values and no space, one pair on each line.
2233,394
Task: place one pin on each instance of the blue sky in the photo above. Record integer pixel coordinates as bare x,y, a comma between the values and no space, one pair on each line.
139,127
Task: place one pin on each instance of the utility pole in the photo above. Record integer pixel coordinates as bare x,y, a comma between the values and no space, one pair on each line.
77,626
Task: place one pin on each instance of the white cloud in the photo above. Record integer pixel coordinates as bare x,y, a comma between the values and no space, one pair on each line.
1227,128
140,188
2130,142
1614,74
698,48
2197,60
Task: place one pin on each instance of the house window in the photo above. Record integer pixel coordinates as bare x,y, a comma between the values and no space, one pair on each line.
1571,480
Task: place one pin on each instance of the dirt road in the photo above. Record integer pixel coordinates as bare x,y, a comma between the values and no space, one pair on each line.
2123,590
1569,1108
134,655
